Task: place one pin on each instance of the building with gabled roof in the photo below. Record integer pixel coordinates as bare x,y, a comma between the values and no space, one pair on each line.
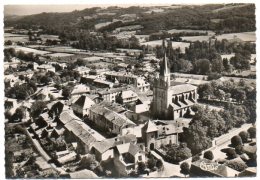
104,150
126,158
80,89
77,131
106,118
82,105
156,133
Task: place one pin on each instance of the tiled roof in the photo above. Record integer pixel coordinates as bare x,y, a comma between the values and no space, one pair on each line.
80,129
112,90
181,88
149,127
79,89
128,148
84,102
128,94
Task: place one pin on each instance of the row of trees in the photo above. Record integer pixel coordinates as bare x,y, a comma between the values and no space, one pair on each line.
204,58
22,91
10,52
207,124
88,41
243,93
239,91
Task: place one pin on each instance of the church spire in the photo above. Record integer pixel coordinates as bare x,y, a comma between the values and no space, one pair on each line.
164,69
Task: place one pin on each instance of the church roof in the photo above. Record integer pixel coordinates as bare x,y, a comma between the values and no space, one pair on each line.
181,88
150,127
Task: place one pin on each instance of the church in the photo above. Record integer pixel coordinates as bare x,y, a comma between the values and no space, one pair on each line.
171,100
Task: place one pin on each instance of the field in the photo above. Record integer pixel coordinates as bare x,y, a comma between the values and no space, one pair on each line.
44,37
181,45
66,49
29,50
60,55
244,36
190,30
16,37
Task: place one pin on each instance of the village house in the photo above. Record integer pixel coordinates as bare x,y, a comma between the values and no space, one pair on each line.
127,78
79,132
44,67
82,105
82,70
158,133
104,150
154,134
126,158
127,96
96,81
110,94
108,119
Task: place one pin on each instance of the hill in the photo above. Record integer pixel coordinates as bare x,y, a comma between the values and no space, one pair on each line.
216,17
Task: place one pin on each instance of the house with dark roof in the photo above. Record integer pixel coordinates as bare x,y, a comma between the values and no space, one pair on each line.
126,158
82,105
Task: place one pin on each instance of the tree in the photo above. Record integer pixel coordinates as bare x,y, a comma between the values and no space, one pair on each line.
141,167
185,168
37,108
202,66
195,158
19,114
244,136
205,91
175,154
184,65
250,104
196,137
217,65
151,163
236,140
209,155
231,153
159,164
66,92
239,149
88,162
240,62
239,94
252,132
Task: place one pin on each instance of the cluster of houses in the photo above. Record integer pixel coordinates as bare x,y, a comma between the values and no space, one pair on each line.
109,114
